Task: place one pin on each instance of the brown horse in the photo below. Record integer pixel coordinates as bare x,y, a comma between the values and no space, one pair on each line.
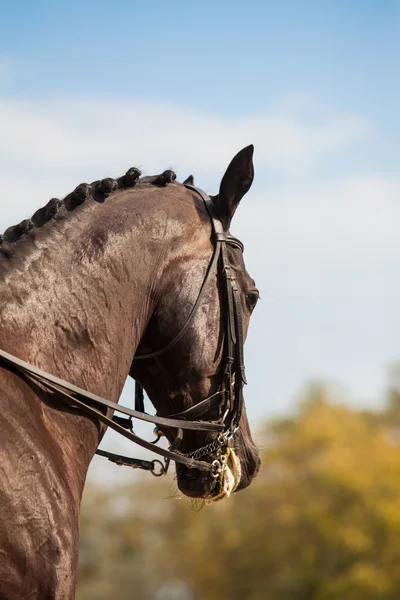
111,271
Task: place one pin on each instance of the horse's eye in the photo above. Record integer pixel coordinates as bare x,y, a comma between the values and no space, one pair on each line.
252,299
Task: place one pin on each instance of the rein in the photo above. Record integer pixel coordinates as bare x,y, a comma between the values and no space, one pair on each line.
229,398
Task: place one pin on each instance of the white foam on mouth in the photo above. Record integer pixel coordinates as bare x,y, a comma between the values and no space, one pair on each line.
231,477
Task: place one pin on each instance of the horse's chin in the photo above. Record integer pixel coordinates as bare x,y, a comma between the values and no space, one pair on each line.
200,484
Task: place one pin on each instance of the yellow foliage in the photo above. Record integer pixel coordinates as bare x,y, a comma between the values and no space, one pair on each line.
321,522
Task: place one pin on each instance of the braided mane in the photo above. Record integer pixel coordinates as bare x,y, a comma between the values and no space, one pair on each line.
99,191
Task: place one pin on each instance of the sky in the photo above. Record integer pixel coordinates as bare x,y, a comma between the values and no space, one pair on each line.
88,89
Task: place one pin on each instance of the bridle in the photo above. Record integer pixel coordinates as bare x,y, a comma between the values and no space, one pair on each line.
228,399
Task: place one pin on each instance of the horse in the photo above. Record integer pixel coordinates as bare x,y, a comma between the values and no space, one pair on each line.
121,277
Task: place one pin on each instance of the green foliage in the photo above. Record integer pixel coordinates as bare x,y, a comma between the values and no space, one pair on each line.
320,522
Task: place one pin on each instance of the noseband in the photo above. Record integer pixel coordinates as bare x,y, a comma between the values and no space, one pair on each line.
228,399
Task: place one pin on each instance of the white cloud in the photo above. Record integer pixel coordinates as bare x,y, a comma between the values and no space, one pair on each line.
109,134
353,219
48,147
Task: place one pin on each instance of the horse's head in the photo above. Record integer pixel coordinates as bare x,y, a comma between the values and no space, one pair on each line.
206,360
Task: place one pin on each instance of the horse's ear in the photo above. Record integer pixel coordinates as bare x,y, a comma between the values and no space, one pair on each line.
189,180
235,183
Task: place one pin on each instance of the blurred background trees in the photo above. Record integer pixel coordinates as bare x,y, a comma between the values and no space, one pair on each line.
320,522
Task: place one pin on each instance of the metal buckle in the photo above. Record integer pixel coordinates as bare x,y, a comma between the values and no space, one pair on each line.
162,468
219,467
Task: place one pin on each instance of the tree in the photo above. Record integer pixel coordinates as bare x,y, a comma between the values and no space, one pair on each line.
320,522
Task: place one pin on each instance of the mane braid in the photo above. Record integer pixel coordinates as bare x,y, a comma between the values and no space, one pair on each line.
97,190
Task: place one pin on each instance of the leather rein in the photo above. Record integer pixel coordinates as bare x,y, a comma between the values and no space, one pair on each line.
228,399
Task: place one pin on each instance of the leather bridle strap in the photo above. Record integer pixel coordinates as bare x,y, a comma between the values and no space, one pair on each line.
210,272
92,412
234,342
201,408
233,317
47,379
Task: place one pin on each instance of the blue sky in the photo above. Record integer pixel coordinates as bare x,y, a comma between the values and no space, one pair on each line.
227,58
89,88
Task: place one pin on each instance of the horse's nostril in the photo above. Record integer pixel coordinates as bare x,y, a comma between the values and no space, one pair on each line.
194,483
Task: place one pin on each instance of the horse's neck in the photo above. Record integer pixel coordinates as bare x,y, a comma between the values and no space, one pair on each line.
78,310
78,304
